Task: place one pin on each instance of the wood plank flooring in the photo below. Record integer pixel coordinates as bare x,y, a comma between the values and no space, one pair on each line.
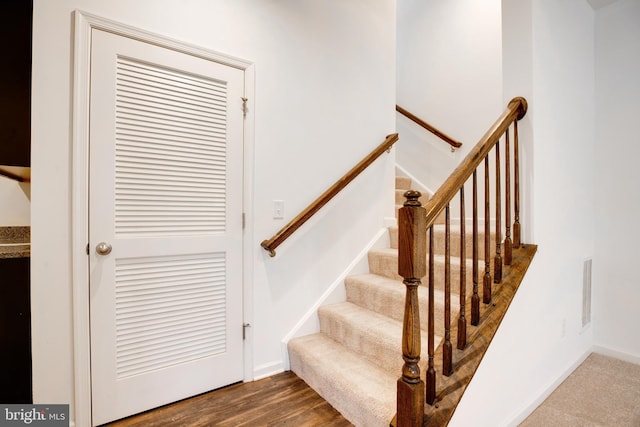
280,400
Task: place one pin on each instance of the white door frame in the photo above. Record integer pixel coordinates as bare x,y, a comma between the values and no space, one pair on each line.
84,24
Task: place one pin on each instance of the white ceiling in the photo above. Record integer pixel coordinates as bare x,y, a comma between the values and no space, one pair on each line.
597,4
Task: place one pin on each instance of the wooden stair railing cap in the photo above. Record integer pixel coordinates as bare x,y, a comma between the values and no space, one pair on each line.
516,110
271,244
521,104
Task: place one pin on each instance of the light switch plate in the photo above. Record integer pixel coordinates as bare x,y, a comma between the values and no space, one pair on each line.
278,209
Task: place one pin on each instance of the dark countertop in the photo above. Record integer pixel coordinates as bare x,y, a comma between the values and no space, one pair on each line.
15,251
14,242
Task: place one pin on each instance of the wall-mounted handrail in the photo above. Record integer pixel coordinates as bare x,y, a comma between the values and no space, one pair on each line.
271,244
446,138
18,173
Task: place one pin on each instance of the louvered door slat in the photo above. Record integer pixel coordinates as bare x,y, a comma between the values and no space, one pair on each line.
178,78
146,310
147,170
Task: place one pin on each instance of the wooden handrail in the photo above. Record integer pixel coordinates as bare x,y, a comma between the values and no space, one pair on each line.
516,109
18,173
271,244
446,138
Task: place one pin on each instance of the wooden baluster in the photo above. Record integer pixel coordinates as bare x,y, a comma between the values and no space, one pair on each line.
412,248
516,189
447,350
508,244
486,288
475,299
462,320
497,260
431,371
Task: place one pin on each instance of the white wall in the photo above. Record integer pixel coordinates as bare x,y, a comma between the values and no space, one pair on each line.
616,290
325,76
450,74
15,201
541,337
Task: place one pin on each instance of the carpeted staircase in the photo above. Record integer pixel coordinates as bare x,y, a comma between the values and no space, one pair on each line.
355,360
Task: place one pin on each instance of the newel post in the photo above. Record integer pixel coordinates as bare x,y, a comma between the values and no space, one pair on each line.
412,248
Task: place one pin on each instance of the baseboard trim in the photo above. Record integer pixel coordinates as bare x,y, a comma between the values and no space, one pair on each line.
617,354
267,370
520,414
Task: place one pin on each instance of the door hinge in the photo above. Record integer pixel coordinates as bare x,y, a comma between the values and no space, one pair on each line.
244,107
244,220
244,330
87,248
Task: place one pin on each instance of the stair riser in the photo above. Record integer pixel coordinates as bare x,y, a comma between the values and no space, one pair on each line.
439,242
385,264
391,303
403,183
363,393
386,355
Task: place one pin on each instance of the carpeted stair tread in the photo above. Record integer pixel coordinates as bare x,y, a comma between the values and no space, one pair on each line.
403,182
439,240
376,337
387,297
384,262
362,392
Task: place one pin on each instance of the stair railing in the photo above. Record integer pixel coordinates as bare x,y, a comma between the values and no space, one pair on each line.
415,223
271,244
446,138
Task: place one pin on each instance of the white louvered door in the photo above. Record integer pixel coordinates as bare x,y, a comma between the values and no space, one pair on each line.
166,195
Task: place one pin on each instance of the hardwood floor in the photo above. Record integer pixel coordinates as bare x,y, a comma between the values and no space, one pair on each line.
280,400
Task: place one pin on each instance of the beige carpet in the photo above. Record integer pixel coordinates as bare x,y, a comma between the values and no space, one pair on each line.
356,359
602,391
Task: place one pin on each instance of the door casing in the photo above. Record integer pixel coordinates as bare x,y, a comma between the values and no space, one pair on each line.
84,23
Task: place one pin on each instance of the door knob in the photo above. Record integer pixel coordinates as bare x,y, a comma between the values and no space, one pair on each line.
103,248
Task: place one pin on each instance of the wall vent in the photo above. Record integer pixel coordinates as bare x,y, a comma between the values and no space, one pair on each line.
586,292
